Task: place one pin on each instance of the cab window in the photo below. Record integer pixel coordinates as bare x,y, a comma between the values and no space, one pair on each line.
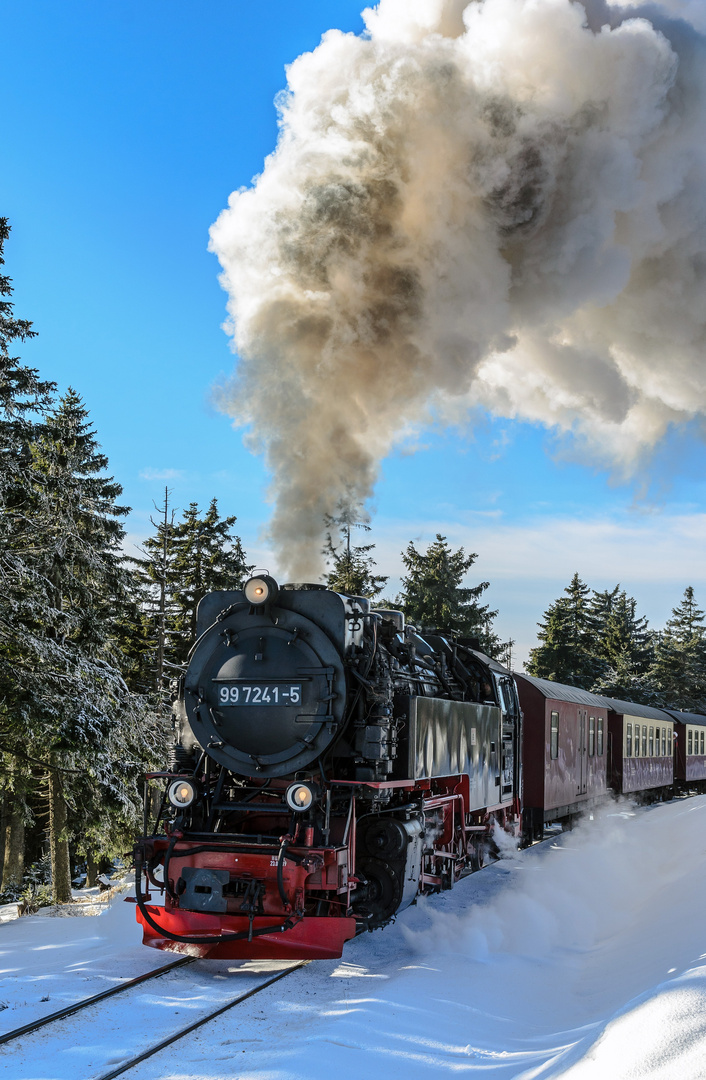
507,697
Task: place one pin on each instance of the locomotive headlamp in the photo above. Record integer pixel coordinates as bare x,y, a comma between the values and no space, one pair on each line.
258,590
181,794
299,797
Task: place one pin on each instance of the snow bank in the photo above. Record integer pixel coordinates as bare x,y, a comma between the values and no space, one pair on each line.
583,959
598,943
580,960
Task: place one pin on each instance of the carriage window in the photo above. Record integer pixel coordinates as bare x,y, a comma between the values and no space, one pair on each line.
669,743
702,742
664,742
644,740
628,740
600,736
591,736
554,744
689,742
652,742
657,738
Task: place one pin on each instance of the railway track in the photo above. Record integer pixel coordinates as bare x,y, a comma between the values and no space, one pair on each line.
124,1066
84,1003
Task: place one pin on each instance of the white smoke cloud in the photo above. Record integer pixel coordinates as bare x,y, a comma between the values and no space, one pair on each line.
499,204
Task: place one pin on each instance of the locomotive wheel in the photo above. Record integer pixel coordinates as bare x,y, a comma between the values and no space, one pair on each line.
477,856
382,894
461,851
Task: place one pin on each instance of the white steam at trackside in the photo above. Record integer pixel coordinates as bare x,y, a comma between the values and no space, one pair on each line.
500,203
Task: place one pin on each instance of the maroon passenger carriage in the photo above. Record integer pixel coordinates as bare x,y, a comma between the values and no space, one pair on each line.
641,750
690,750
331,765
564,752
579,746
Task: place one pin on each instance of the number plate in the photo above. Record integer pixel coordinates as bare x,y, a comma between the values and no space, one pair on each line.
259,694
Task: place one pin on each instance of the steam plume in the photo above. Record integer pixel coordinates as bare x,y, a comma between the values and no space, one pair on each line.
497,203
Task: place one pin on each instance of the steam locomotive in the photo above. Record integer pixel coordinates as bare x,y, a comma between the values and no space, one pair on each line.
331,764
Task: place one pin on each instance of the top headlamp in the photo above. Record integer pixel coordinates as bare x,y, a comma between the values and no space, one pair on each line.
260,589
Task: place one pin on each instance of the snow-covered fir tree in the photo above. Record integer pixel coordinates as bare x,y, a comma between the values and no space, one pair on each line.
148,625
566,650
83,715
432,594
23,399
207,557
625,646
352,566
679,669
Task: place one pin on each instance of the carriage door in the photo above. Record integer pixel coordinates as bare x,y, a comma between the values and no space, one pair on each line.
581,754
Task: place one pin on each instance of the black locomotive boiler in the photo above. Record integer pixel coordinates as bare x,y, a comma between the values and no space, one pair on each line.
331,764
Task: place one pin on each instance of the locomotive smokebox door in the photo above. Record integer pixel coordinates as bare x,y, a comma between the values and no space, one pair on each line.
265,691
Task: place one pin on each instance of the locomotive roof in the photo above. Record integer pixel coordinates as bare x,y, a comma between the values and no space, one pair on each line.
494,665
560,692
687,717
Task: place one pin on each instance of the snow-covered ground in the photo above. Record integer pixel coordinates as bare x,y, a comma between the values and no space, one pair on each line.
583,959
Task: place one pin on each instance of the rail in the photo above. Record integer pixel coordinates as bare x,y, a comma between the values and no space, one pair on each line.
84,1003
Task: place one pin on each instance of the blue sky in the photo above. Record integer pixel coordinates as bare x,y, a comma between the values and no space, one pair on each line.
126,126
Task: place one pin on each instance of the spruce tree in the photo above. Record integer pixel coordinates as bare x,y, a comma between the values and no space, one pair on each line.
432,595
567,640
679,669
623,680
67,719
619,632
23,399
149,623
624,646
352,565
83,718
23,395
206,558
